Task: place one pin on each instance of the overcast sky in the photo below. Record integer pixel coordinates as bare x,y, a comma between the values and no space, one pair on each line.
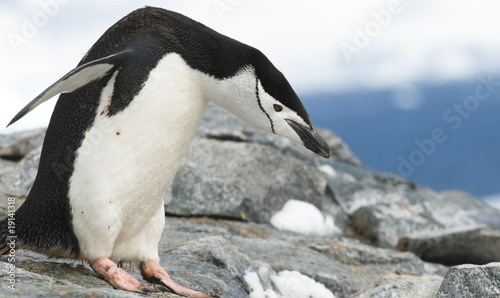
320,45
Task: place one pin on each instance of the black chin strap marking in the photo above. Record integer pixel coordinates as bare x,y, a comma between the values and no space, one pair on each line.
260,104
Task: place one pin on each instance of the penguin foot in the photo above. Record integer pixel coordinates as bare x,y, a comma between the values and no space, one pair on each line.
153,272
118,277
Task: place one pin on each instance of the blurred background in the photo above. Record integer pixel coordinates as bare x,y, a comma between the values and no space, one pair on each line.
413,87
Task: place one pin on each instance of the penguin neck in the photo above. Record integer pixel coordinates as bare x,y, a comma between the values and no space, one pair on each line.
175,96
236,94
181,100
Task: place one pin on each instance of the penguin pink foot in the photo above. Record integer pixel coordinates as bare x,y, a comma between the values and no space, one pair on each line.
118,277
153,272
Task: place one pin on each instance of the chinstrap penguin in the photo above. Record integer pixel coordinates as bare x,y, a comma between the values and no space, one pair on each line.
119,131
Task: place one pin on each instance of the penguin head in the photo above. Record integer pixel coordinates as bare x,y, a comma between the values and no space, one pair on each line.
260,94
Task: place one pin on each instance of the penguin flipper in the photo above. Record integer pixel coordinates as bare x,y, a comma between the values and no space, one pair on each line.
77,78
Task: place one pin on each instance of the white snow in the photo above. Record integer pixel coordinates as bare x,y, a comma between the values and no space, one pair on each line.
304,218
327,169
253,281
332,173
289,284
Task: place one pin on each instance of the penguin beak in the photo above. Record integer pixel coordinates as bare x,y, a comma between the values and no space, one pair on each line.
311,139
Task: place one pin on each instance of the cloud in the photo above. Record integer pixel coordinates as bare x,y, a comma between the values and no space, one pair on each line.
427,41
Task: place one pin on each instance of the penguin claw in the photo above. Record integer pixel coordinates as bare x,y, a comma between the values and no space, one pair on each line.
162,288
145,290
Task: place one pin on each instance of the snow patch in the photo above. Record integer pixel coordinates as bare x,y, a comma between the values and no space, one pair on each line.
289,284
304,218
253,282
332,173
327,169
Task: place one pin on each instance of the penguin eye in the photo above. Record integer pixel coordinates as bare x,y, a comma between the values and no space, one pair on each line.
278,108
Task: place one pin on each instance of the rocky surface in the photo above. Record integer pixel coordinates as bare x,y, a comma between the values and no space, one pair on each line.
399,285
395,238
16,146
471,281
478,244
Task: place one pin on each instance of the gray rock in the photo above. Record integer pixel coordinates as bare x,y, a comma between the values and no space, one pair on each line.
478,245
240,180
337,263
234,170
393,285
209,264
340,151
16,145
383,208
471,281
6,166
19,181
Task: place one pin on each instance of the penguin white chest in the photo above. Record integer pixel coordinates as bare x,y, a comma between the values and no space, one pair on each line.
126,161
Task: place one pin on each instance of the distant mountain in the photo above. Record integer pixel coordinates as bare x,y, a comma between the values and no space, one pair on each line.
443,137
